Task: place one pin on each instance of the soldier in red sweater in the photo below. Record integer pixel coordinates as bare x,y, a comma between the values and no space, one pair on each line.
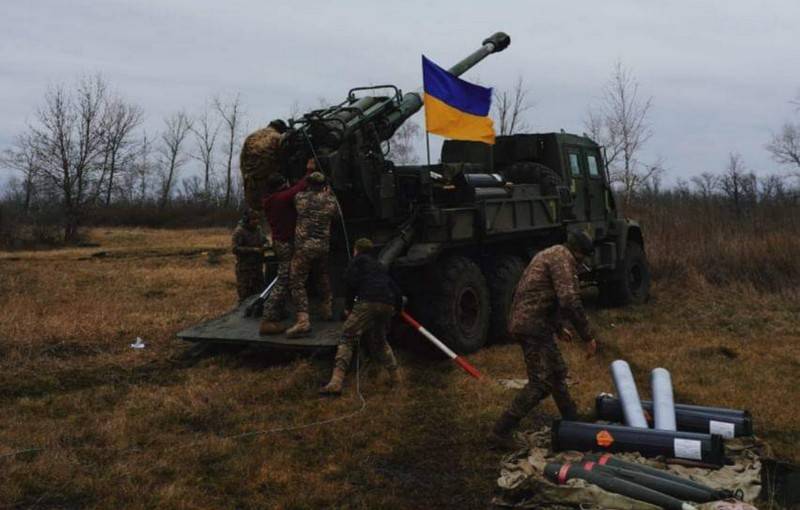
281,215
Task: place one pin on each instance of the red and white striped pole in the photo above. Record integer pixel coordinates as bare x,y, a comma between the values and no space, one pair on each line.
462,362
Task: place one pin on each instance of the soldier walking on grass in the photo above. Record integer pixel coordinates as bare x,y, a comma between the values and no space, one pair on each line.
282,217
547,293
371,301
248,245
316,208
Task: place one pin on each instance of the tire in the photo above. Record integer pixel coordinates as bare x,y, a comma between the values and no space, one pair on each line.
459,307
502,275
632,285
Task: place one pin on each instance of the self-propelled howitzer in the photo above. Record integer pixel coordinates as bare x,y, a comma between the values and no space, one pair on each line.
457,234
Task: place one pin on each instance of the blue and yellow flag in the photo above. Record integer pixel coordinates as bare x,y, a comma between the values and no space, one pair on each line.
455,108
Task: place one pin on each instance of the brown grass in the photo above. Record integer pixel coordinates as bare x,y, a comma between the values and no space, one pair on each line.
125,428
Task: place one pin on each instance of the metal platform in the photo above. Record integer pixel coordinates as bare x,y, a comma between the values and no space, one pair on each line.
234,327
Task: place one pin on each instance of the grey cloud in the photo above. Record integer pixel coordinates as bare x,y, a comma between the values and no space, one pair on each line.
721,73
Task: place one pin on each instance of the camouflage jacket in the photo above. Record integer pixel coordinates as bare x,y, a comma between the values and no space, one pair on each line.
547,293
260,153
315,210
244,240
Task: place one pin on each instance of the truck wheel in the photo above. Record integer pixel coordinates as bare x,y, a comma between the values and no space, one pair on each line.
460,307
633,284
502,275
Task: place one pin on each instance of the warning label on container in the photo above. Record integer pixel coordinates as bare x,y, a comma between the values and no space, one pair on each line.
722,428
688,449
604,439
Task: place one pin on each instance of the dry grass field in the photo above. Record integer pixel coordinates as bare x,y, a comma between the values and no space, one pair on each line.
88,422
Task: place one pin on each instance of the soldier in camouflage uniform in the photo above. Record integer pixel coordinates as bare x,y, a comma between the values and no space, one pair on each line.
247,243
316,208
282,217
379,298
547,293
260,158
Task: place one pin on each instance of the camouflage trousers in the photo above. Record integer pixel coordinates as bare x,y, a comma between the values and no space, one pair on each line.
249,279
370,321
275,306
304,261
547,375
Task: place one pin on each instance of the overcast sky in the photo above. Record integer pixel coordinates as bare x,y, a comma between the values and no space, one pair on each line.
721,73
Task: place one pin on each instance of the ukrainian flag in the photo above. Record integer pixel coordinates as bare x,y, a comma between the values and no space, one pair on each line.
455,108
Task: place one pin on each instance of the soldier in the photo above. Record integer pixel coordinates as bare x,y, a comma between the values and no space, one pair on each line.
260,158
547,293
379,299
282,217
248,245
315,210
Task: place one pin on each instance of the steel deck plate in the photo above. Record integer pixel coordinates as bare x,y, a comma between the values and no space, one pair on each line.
234,327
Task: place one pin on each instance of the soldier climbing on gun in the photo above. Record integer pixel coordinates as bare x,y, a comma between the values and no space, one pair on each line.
281,214
260,159
316,208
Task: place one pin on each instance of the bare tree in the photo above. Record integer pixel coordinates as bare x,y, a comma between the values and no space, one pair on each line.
205,131
231,115
401,145
23,157
171,150
706,185
511,106
120,120
69,142
142,170
785,146
619,123
772,187
737,183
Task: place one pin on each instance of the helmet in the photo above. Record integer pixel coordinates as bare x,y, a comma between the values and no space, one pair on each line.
278,125
250,214
317,178
579,241
363,245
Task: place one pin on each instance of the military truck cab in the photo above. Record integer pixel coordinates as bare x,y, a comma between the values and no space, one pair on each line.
488,209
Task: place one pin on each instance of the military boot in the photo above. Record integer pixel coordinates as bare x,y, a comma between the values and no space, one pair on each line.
300,328
501,438
269,327
334,387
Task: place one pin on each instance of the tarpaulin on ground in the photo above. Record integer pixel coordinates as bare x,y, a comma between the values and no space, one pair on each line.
522,483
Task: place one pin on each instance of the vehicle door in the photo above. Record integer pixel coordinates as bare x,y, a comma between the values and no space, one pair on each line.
596,189
575,160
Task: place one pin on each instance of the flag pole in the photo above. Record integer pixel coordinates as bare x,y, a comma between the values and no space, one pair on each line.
428,145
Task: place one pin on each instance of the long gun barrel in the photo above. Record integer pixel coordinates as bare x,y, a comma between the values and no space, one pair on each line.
412,101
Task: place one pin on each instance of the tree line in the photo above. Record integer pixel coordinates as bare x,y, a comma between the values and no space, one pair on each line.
619,122
86,151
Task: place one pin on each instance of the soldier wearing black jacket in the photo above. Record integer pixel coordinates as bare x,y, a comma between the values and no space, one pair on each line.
372,298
